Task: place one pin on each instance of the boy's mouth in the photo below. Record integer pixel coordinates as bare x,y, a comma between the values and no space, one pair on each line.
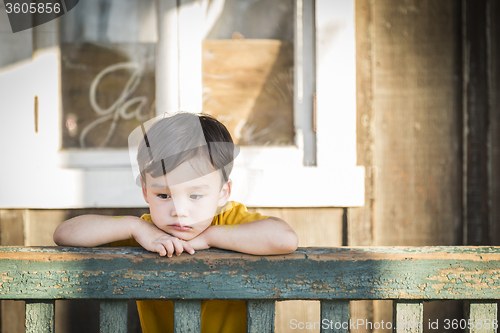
179,228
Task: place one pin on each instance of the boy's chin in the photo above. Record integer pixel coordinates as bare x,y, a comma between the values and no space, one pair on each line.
181,236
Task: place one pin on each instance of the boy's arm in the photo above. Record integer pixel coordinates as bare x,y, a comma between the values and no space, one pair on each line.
95,230
261,237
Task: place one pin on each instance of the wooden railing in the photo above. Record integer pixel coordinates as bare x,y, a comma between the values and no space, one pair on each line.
334,276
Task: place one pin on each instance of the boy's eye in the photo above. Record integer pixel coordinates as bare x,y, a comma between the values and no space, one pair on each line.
196,196
163,196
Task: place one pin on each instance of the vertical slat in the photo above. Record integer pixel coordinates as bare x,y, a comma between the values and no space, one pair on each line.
337,314
260,316
113,316
483,317
408,317
40,316
187,316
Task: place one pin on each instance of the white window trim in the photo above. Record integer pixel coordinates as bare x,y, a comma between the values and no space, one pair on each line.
263,176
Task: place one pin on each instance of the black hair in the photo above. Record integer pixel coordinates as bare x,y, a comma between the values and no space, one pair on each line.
176,139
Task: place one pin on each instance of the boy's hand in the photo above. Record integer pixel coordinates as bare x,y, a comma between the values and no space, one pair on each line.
155,240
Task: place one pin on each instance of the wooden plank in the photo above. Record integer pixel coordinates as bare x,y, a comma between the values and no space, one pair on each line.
494,132
476,121
417,105
260,316
12,233
113,316
408,317
187,316
327,222
247,85
482,317
12,226
360,220
321,273
417,125
290,313
40,316
337,316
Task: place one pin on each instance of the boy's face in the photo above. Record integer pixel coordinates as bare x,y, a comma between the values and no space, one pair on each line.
184,209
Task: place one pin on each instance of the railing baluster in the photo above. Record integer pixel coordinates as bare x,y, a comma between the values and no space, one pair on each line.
40,316
113,318
337,314
187,316
408,317
260,316
483,315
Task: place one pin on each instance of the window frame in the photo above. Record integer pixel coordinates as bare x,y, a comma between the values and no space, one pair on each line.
272,176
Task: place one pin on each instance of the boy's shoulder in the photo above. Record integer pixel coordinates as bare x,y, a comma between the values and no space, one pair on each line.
236,213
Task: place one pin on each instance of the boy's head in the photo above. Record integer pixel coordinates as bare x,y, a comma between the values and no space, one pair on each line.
185,161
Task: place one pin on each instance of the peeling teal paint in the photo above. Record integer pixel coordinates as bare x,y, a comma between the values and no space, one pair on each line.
308,273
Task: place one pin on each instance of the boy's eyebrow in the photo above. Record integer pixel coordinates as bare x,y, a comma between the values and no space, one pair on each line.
194,187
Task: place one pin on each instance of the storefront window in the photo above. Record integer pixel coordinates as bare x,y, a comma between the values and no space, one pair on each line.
248,61
107,71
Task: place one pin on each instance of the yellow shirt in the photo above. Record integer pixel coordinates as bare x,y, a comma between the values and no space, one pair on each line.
217,316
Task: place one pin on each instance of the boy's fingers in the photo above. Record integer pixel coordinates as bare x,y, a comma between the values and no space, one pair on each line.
188,247
178,246
170,248
161,250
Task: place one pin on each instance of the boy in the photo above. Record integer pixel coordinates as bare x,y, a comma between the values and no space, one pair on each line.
185,161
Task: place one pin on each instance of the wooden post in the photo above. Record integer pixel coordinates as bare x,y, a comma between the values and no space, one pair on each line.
482,317
337,315
113,317
40,316
260,316
408,317
187,316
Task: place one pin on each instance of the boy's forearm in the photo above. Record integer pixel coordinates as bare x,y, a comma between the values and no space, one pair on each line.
94,230
262,237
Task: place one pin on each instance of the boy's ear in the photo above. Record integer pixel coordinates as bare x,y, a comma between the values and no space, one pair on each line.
144,191
225,193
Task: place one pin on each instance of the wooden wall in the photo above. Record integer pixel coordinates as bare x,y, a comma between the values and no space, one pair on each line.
494,123
427,129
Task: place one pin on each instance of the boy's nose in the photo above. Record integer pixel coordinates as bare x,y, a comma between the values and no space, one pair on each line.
180,209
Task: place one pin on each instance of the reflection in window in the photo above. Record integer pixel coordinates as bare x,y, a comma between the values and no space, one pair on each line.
107,71
248,69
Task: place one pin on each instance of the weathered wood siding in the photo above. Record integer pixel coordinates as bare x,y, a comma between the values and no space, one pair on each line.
410,130
494,128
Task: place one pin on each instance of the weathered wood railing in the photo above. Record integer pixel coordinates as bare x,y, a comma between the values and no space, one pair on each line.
331,275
